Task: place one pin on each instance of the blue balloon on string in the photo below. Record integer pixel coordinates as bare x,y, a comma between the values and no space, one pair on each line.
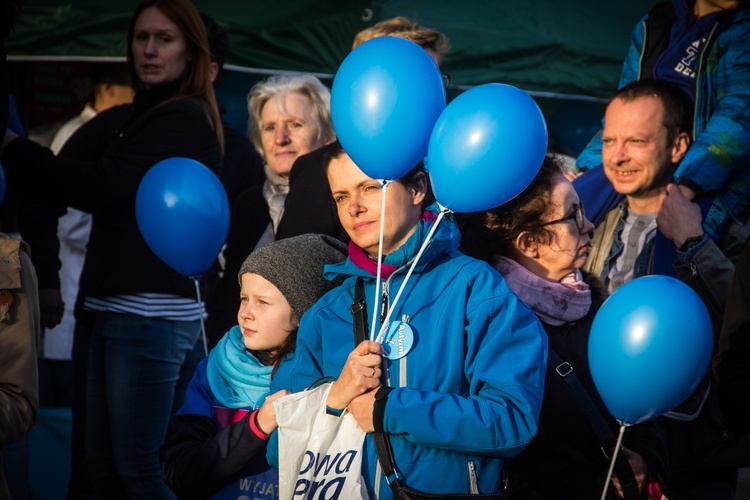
183,214
385,99
486,147
649,347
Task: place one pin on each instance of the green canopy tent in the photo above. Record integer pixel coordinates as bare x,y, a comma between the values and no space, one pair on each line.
553,50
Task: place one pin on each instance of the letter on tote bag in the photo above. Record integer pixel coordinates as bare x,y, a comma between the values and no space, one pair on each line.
320,455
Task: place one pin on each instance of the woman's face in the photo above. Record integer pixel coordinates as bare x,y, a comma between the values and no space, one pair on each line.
568,246
265,317
287,130
359,199
160,52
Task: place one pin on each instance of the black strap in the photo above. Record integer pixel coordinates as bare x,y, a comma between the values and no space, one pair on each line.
604,434
382,443
358,309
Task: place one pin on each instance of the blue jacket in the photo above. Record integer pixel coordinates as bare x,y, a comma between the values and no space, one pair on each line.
466,396
717,161
214,451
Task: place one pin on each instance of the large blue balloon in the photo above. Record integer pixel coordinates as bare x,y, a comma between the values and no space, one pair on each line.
487,146
183,214
385,99
649,348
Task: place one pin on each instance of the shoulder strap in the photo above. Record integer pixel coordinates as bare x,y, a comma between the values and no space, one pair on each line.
358,311
604,434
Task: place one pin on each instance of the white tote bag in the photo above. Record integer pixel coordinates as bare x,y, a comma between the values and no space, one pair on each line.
320,455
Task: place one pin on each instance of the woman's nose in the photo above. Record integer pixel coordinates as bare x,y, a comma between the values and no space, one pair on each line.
150,46
282,135
355,207
588,226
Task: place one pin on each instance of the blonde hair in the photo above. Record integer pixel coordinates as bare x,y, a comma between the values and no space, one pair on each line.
427,38
307,85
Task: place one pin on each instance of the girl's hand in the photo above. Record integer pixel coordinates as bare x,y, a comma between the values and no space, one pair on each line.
267,413
360,374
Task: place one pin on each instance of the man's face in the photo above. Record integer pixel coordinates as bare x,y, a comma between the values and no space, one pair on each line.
637,158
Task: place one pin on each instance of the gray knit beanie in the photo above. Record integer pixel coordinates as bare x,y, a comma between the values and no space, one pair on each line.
295,267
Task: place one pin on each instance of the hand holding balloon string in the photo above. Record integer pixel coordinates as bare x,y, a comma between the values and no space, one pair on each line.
360,374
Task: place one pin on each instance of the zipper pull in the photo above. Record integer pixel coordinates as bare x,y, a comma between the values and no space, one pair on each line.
384,302
473,483
693,268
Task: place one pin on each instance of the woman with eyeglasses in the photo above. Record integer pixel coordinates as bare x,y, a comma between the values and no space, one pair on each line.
539,241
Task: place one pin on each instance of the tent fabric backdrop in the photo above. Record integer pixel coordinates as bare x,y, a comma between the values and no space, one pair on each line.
571,48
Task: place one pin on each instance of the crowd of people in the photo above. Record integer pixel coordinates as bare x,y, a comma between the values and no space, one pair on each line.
489,392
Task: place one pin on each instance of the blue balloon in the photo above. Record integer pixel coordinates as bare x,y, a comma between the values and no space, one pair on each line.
385,99
183,214
649,347
486,147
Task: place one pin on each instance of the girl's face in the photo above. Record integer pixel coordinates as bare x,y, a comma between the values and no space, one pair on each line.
569,244
287,130
359,199
265,317
160,52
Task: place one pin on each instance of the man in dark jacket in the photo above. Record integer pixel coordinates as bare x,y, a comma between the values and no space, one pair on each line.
657,230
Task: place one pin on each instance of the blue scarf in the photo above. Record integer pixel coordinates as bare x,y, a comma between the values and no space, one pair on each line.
236,377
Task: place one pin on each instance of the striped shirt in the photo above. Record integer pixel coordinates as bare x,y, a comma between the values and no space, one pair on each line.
150,305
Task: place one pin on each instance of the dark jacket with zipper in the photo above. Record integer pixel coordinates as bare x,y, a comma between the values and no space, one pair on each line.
704,442
565,459
118,260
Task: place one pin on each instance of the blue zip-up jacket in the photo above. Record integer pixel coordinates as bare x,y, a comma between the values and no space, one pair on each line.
718,160
211,451
469,392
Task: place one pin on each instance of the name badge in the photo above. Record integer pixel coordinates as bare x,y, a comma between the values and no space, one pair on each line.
399,339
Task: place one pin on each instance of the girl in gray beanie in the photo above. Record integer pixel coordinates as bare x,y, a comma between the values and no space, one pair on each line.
216,442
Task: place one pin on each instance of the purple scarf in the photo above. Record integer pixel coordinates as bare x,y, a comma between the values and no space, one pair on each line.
554,303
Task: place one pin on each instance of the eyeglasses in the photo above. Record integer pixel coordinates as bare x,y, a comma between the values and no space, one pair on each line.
578,215
446,79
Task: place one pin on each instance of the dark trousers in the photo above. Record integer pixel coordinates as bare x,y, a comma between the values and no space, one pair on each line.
80,355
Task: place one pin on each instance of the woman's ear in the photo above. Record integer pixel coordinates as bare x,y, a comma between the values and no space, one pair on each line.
419,188
527,245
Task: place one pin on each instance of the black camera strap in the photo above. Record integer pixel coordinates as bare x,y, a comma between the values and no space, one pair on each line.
604,434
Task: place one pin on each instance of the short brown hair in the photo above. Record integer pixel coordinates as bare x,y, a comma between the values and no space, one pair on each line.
678,116
427,38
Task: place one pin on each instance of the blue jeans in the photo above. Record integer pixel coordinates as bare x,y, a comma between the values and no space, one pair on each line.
134,363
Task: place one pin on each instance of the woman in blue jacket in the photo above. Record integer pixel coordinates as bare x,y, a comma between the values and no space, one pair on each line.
467,393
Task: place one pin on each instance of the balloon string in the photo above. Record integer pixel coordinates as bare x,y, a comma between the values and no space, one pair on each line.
200,308
426,242
384,189
614,457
